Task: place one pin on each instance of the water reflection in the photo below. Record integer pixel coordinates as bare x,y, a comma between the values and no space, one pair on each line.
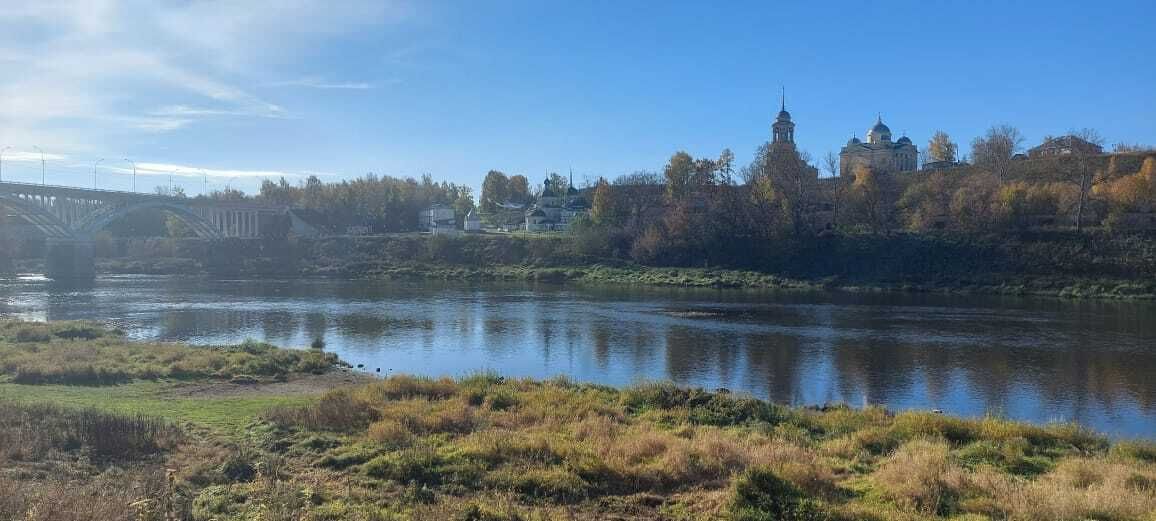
1038,360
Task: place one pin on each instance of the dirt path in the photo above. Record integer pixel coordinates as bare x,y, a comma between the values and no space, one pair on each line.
309,384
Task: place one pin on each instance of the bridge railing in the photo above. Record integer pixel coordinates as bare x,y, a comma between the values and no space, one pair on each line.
36,188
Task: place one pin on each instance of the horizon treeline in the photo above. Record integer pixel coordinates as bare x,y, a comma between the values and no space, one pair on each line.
381,203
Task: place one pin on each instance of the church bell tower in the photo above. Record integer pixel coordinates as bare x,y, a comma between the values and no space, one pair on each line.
783,130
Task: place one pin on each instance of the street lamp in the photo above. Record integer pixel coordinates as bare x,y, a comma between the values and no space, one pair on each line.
133,173
43,176
94,165
2,150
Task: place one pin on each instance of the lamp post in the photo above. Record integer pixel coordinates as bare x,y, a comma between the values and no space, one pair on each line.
94,165
2,150
205,183
43,175
133,173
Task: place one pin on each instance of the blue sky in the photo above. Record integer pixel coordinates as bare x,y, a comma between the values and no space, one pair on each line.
243,90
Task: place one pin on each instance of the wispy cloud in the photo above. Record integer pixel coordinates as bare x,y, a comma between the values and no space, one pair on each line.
194,171
89,69
29,156
317,83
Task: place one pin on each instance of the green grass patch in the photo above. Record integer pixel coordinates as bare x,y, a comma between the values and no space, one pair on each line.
227,415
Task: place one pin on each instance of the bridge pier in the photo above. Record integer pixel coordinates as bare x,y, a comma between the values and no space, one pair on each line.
69,259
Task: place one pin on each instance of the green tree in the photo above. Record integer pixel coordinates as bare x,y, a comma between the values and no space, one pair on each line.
462,201
495,190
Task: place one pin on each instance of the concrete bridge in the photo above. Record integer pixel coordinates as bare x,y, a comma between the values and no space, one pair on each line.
69,218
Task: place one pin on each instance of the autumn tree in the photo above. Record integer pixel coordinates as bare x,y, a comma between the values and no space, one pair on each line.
1132,193
558,183
975,205
926,201
867,196
725,166
679,172
704,173
605,210
994,151
769,209
791,179
518,189
495,190
941,147
639,194
1081,172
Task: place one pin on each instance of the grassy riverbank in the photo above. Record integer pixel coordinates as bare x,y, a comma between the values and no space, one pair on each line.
208,445
1070,287
1060,264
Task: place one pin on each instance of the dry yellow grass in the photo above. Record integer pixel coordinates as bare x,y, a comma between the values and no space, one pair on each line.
504,450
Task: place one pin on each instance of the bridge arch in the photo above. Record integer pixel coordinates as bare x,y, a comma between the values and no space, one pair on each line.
101,219
38,216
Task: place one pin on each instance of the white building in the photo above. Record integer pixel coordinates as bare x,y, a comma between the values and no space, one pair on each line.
879,153
473,223
554,212
437,217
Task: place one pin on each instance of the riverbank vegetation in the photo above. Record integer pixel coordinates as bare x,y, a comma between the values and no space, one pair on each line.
1068,264
89,354
486,447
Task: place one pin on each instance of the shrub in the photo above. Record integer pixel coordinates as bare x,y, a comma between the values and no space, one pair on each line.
406,386
337,410
29,432
759,495
555,483
702,407
414,465
920,476
1144,451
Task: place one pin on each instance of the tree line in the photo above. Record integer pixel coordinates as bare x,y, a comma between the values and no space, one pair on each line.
697,212
380,203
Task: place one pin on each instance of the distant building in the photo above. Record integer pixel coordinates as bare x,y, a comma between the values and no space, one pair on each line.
473,223
879,153
940,165
438,216
556,211
1064,145
782,150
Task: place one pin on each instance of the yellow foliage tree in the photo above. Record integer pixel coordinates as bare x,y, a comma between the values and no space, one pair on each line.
976,205
926,202
868,198
1133,193
605,209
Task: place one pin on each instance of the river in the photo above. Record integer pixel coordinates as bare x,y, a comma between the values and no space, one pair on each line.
1041,360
